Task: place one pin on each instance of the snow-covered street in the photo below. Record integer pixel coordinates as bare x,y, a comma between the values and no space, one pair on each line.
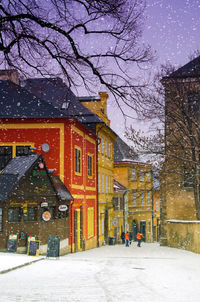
107,274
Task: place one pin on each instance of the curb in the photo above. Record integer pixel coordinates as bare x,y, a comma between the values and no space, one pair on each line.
19,266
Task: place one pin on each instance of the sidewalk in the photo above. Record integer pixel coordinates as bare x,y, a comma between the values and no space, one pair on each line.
11,261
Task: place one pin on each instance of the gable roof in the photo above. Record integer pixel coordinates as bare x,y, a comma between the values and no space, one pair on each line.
7,183
61,189
122,152
19,165
56,92
191,69
13,172
118,187
16,169
17,102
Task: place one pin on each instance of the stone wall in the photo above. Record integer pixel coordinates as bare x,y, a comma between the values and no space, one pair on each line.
184,235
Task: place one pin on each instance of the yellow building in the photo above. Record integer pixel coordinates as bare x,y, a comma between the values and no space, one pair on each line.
106,135
120,203
180,200
137,177
156,206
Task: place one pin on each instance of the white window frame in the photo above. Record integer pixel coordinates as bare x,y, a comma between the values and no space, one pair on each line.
149,197
133,174
134,198
142,175
142,198
102,145
102,185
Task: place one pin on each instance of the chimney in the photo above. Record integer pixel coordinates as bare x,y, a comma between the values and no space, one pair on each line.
10,75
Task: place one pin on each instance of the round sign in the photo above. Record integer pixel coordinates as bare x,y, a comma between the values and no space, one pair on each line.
62,208
46,216
45,147
41,165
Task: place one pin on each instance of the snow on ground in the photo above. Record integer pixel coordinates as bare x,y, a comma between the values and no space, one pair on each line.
107,274
10,260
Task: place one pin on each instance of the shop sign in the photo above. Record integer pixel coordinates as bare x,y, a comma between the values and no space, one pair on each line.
63,208
30,238
13,236
46,216
44,204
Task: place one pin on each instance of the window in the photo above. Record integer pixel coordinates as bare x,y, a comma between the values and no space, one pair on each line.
109,150
134,198
102,183
115,203
14,214
111,180
77,160
148,176
106,184
109,184
157,205
90,222
133,174
102,145
121,203
102,224
89,165
111,155
52,211
149,197
106,147
141,175
5,155
142,198
1,219
31,214
22,150
98,183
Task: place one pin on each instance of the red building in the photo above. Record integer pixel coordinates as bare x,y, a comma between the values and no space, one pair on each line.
68,147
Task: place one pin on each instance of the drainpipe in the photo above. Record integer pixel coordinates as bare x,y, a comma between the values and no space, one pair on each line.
71,225
97,177
97,169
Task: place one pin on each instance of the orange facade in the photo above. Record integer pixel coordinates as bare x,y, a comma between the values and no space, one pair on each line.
72,152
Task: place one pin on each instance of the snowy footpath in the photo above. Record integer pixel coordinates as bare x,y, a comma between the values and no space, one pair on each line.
106,274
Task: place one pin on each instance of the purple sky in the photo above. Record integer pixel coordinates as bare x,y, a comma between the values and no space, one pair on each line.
172,29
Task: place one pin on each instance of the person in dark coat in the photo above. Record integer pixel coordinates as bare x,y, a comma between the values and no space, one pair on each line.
123,237
130,238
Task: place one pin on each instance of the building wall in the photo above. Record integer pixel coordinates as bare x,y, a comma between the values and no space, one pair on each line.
105,168
156,215
63,136
105,184
184,235
139,206
33,191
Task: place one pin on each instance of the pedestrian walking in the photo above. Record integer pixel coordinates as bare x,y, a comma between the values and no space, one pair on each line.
127,238
139,239
123,237
130,238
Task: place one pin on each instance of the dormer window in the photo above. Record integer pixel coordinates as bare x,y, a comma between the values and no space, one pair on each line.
65,105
